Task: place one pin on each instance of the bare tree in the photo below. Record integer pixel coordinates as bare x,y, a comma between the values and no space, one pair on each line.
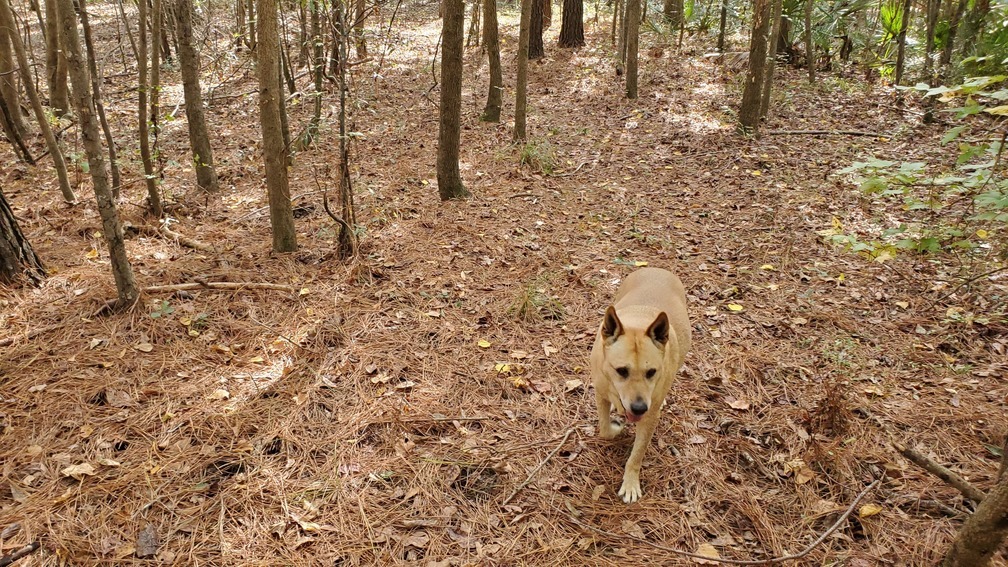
572,24
56,68
84,106
771,64
17,257
7,21
536,50
274,150
199,139
9,85
491,41
449,125
96,93
633,34
749,110
153,193
521,82
984,531
906,10
809,53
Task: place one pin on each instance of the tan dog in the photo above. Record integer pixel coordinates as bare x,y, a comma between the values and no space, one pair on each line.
639,348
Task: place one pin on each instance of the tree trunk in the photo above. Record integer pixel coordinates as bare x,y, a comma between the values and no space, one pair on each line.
17,257
96,93
56,69
155,85
521,81
165,25
9,84
617,6
491,41
673,13
347,234
7,21
768,75
199,139
251,19
274,152
449,131
973,26
474,24
536,49
809,53
359,17
153,195
318,70
633,34
946,55
933,9
983,532
572,26
901,40
84,106
749,110
240,38
722,24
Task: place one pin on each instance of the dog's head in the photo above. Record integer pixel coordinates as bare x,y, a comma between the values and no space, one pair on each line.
633,360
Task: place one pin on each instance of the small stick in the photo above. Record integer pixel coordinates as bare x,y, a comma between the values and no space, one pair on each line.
781,559
944,473
8,559
825,132
227,286
1004,460
538,468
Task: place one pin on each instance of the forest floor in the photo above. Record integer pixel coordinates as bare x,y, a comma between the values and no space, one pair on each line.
392,408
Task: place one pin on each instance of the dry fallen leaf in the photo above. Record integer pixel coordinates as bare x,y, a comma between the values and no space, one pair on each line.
736,403
869,510
147,542
79,471
706,550
144,347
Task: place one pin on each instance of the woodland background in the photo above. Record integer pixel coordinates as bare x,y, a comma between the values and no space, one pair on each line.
328,309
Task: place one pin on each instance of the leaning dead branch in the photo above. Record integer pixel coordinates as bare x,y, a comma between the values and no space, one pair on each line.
221,286
808,549
949,476
826,133
182,239
8,559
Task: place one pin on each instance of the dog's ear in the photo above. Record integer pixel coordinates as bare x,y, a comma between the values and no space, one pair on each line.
612,328
659,329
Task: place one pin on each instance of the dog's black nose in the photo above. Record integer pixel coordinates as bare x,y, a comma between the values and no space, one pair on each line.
638,407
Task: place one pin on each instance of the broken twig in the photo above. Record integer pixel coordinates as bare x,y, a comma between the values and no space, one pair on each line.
950,477
826,132
224,286
8,559
538,468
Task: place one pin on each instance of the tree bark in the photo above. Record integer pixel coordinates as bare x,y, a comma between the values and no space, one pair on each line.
274,152
150,178
722,24
983,532
96,93
749,110
572,26
449,131
155,85
901,41
933,10
56,68
771,67
491,41
809,52
633,34
973,26
359,17
521,81
536,49
17,257
672,12
9,84
949,47
199,139
84,106
7,21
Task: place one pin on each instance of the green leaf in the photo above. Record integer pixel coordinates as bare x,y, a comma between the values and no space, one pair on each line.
952,134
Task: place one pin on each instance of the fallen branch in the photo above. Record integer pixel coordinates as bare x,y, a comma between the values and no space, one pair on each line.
538,468
950,477
163,230
826,132
29,334
8,559
223,286
781,559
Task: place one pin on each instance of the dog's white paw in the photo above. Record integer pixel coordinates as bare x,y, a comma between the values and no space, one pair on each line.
631,490
610,429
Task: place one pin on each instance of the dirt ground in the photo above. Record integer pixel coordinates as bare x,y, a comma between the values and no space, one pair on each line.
428,403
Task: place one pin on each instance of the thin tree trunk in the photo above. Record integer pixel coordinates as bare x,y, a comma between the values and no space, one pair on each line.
150,178
126,286
96,93
491,41
521,82
274,152
633,34
318,70
240,38
536,49
901,40
359,16
284,124
771,67
165,25
973,26
933,10
17,257
347,235
572,25
155,86
9,84
617,6
251,19
984,531
56,69
749,110
723,23
7,21
809,53
199,139
449,128
946,56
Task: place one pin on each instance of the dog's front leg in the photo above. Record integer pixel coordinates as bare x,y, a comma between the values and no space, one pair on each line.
606,428
631,489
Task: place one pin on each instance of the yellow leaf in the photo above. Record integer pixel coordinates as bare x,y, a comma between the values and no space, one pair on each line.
902,304
483,343
257,360
97,234
91,254
520,382
982,234
640,264
304,291
841,277
883,257
998,110
706,550
185,321
79,471
869,510
735,307
767,267
756,173
502,368
836,223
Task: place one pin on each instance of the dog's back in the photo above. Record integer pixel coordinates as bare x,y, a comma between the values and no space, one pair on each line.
649,291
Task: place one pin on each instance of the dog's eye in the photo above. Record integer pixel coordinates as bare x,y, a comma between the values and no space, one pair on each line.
623,371
651,372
